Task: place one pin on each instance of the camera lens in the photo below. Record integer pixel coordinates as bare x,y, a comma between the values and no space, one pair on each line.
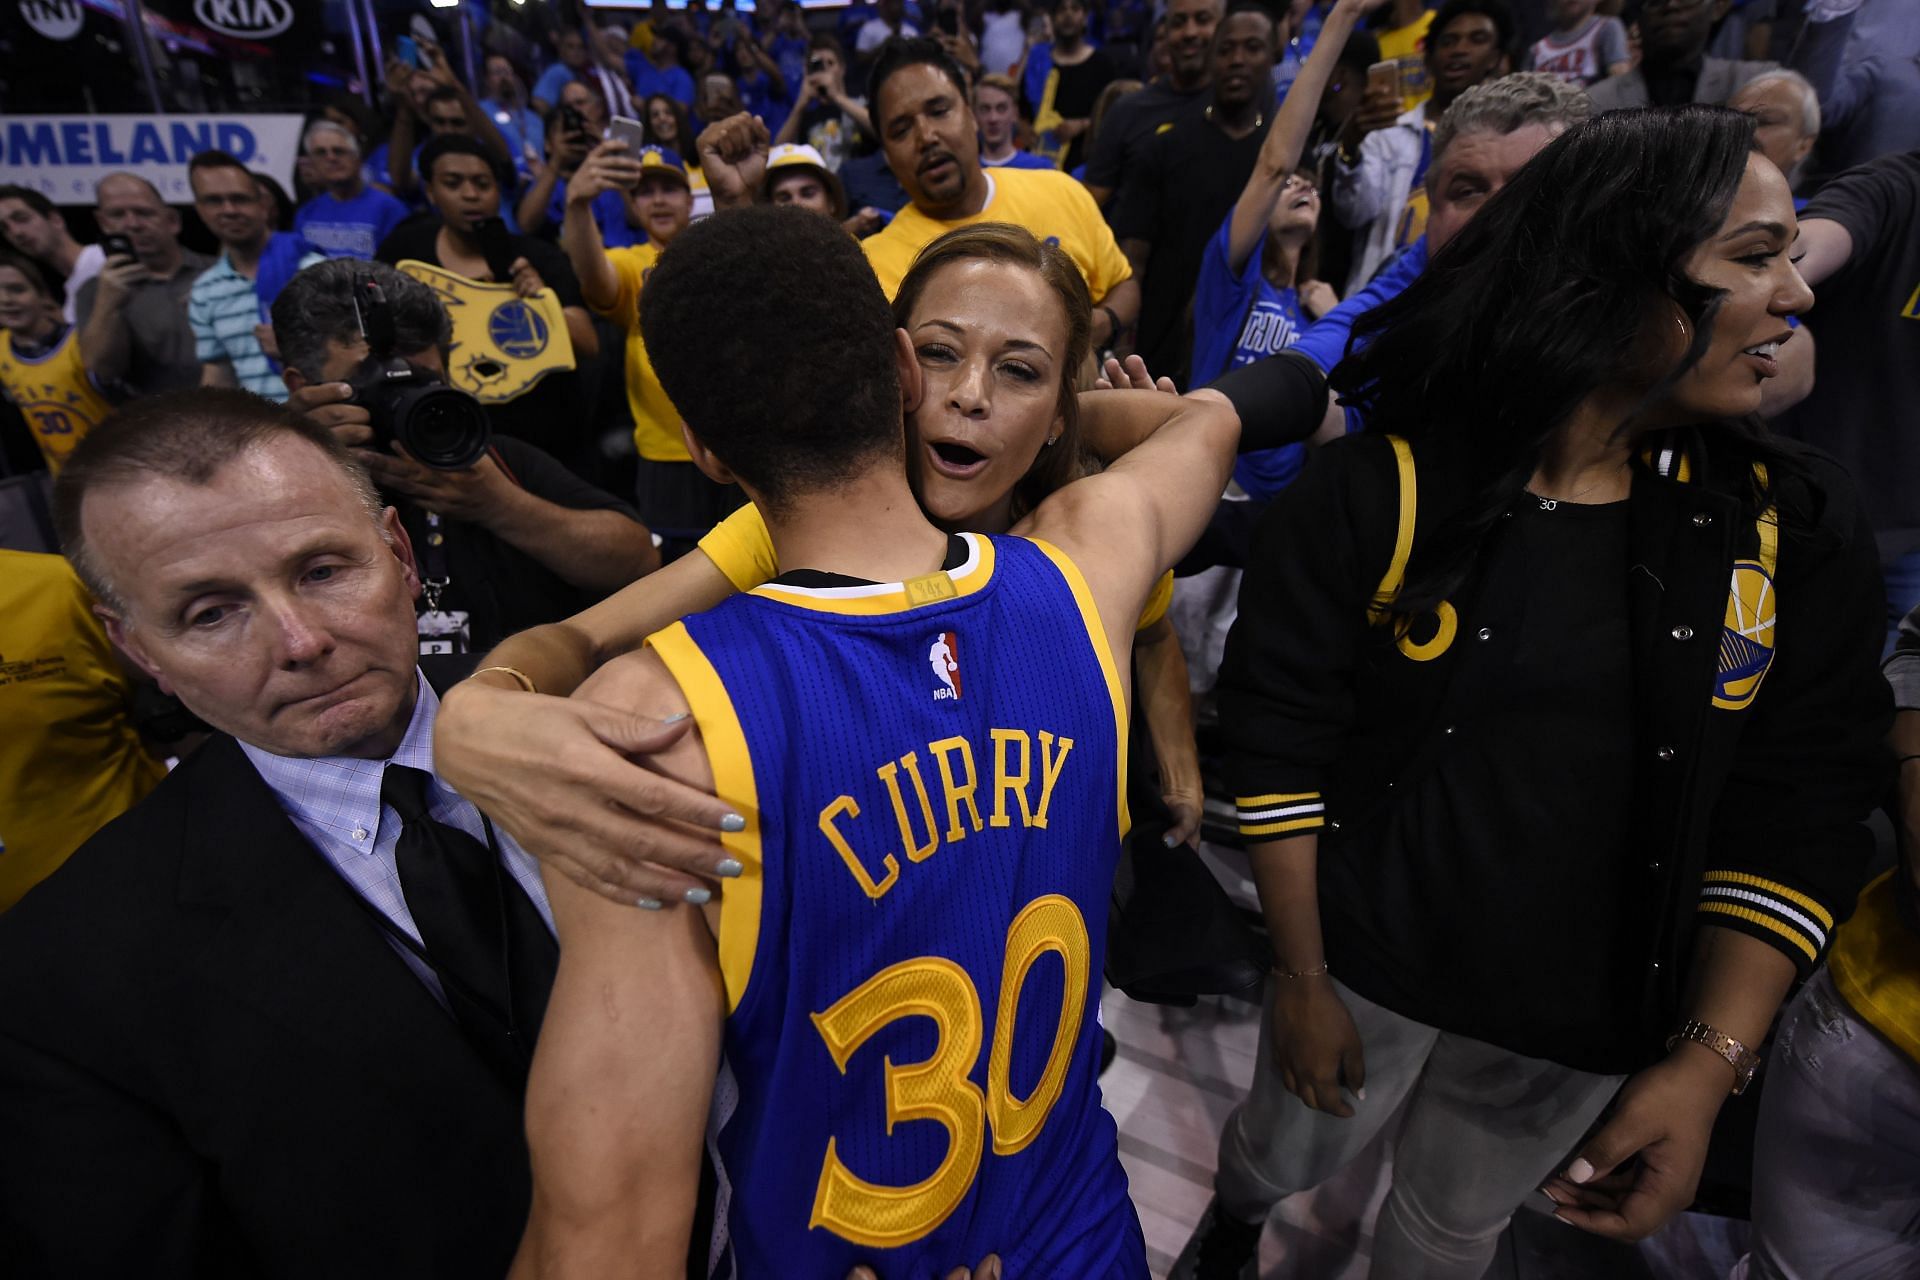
442,427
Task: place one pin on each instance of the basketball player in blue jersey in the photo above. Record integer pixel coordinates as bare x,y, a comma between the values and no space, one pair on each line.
885,1027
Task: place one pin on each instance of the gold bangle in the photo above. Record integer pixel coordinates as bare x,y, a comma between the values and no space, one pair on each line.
1318,970
526,681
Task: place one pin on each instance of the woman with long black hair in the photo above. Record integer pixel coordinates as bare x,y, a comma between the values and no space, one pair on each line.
1555,713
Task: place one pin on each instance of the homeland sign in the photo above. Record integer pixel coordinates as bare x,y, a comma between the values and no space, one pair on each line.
62,157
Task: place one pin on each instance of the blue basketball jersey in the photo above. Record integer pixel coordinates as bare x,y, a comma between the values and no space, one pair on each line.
933,778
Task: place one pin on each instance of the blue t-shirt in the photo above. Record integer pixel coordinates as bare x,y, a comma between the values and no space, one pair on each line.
1240,317
609,212
520,127
1019,160
349,228
377,164
555,78
649,80
791,53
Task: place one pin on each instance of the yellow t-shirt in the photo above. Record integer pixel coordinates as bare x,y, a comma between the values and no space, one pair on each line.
54,394
1875,964
1408,46
70,760
1045,202
742,549
656,423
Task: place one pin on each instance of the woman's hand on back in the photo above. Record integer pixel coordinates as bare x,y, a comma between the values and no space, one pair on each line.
563,776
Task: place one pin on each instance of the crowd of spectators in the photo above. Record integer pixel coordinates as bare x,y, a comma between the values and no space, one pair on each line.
1419,203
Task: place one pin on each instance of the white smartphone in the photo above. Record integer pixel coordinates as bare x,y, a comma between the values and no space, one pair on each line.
629,131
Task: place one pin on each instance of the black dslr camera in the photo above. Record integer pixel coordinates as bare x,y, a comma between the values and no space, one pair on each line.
441,426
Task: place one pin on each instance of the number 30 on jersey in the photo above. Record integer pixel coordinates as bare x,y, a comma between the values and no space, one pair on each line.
939,1089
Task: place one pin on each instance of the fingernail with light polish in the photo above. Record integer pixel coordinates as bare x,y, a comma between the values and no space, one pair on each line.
675,719
1549,1195
1168,840
733,822
1579,1172
647,904
1360,1094
729,867
699,897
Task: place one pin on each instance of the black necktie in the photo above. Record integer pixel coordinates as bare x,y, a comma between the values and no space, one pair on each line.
494,955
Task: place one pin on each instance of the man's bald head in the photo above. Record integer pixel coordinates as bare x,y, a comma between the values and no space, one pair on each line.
131,206
118,182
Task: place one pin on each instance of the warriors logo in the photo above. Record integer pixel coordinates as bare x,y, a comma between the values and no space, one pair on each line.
502,343
1746,637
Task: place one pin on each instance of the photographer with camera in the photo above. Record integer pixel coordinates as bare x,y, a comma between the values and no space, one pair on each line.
507,537
463,186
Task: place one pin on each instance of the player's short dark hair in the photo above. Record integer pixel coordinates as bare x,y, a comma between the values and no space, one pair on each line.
445,93
1495,10
30,268
186,436
29,197
901,52
772,337
461,144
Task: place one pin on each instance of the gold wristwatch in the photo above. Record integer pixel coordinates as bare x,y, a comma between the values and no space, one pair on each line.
1744,1061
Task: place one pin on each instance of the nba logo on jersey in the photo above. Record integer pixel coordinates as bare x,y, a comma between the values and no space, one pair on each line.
944,656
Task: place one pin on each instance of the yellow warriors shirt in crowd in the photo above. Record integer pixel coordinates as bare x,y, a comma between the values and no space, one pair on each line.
656,423
70,761
741,548
1407,46
54,393
1875,963
1044,201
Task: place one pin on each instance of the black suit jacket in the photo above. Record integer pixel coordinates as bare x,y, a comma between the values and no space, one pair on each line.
212,1063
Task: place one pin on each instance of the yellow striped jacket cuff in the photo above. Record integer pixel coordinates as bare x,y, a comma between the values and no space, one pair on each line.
1771,911
1264,817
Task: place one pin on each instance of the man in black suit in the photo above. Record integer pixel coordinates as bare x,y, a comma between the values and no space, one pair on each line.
275,1020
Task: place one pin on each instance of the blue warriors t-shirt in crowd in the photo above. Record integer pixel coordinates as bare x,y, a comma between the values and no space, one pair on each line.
349,228
935,818
1240,317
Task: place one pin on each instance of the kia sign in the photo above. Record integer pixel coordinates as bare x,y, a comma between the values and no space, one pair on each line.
245,19
62,157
